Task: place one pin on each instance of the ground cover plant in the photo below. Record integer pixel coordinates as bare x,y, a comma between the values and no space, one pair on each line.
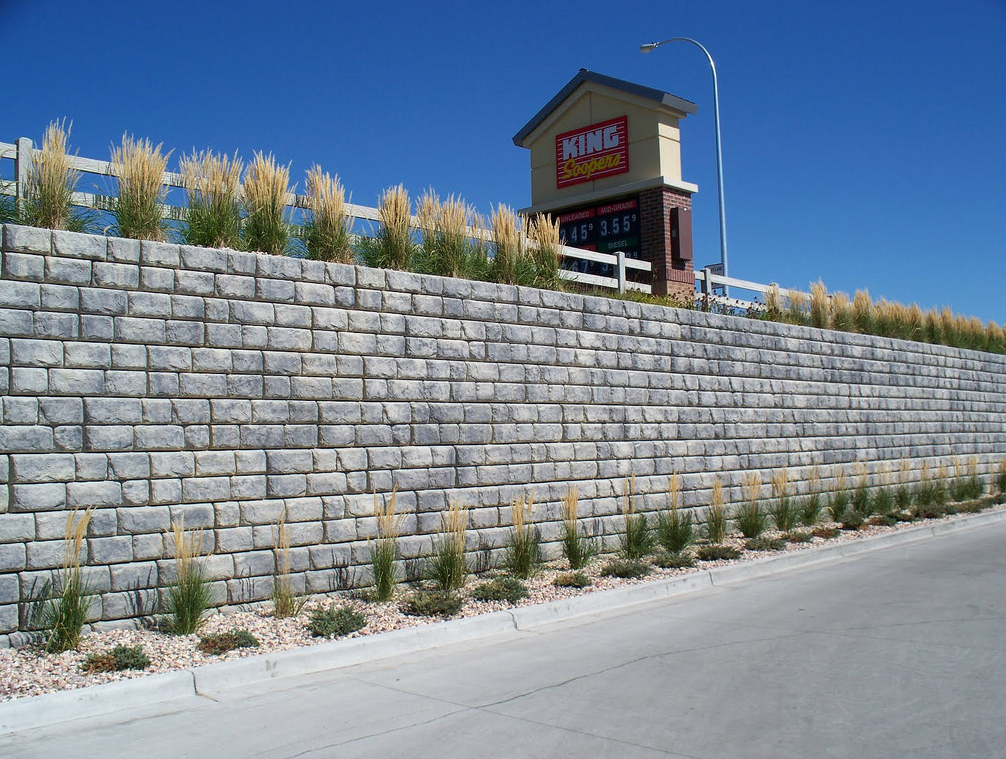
221,643
432,603
116,660
626,568
508,589
572,580
333,621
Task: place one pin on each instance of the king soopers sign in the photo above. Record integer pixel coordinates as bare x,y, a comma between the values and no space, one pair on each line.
592,152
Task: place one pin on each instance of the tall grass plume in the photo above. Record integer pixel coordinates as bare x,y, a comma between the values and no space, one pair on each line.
139,203
576,546
189,596
384,547
62,611
522,557
266,186
213,184
326,230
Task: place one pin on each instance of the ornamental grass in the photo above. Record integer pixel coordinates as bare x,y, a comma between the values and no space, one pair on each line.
138,206
213,184
326,229
266,186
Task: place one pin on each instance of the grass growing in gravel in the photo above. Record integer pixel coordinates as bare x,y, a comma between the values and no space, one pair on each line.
669,560
784,514
838,500
333,621
66,600
508,589
675,529
384,548
637,539
750,519
716,552
139,204
716,515
189,597
764,543
576,546
447,567
522,554
221,643
285,600
116,660
1001,477
810,505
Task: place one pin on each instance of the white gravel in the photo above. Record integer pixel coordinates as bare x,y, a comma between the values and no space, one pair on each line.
30,672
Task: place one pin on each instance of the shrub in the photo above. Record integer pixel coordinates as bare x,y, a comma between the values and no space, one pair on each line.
783,513
333,621
392,247
384,548
825,532
669,560
508,589
116,660
326,229
764,543
285,601
626,568
139,203
675,531
50,184
750,519
576,547
637,538
189,597
797,537
716,516
212,183
221,643
572,580
522,555
716,552
432,603
447,567
62,611
266,186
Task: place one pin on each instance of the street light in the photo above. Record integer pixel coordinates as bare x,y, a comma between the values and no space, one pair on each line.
719,148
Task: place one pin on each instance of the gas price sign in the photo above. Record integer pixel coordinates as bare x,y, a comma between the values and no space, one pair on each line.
605,228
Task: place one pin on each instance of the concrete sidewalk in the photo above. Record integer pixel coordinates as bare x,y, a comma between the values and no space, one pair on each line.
898,652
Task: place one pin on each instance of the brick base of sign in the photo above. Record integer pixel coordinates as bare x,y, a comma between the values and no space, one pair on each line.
671,275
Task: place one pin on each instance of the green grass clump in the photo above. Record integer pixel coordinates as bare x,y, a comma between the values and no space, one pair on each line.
522,554
626,568
333,621
861,500
213,185
118,659
853,519
392,247
669,560
576,547
572,580
750,519
784,513
716,552
508,589
62,611
838,501
221,643
139,203
326,229
637,539
189,597
50,184
448,249
716,516
1001,477
432,603
967,485
797,536
675,529
764,543
266,186
285,600
447,567
384,548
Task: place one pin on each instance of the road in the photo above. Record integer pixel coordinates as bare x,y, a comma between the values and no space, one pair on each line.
900,652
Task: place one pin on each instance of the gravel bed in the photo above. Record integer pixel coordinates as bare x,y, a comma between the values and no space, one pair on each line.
30,672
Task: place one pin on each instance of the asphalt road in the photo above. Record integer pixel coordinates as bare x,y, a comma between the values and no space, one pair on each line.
900,652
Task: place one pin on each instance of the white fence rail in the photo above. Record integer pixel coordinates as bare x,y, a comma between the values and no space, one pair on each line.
20,153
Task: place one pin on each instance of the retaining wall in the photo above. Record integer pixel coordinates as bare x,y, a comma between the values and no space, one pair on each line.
155,381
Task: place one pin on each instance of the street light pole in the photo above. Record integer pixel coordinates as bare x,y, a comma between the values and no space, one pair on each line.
719,147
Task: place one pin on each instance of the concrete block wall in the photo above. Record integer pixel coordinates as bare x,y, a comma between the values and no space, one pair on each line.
157,382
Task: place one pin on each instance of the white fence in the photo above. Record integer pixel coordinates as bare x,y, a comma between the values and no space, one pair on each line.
20,153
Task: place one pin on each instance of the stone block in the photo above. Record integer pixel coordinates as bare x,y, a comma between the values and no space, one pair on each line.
22,239
115,275
84,355
77,245
87,494
76,382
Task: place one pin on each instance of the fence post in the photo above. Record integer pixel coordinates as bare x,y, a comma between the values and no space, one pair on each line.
621,270
22,158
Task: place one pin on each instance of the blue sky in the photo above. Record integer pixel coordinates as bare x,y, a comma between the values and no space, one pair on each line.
863,141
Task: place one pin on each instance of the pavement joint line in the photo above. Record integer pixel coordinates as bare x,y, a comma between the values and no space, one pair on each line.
99,700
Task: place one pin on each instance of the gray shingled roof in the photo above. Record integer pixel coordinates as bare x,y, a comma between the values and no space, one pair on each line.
664,98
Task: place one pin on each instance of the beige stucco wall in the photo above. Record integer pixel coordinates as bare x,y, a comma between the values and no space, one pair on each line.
654,141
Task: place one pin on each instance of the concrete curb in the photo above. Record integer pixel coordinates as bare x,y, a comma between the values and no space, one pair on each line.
53,708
